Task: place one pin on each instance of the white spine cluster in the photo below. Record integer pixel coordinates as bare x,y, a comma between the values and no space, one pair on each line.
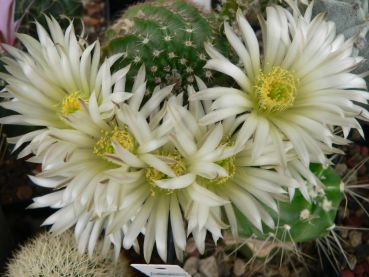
48,255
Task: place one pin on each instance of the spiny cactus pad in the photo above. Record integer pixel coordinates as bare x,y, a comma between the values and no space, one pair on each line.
168,37
301,220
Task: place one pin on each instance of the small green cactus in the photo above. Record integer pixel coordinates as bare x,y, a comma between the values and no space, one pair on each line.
168,37
301,220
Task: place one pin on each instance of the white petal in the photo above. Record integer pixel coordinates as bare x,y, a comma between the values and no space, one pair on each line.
218,115
158,164
127,156
138,223
247,206
261,136
176,182
231,70
155,100
214,93
161,227
212,140
204,196
247,130
240,49
213,53
249,37
49,182
149,240
176,222
95,233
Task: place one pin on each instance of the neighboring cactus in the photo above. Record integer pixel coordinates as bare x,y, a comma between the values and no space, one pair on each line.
300,220
250,8
168,37
33,10
48,255
352,19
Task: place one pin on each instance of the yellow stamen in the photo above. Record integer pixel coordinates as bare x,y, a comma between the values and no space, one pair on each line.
175,162
120,135
276,90
70,104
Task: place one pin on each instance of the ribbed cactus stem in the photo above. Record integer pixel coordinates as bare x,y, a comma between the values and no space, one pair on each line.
168,38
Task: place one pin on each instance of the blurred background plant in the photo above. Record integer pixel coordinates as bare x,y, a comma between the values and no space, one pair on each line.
352,20
8,25
34,10
250,8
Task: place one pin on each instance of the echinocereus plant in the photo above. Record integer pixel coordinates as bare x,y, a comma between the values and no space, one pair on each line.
127,155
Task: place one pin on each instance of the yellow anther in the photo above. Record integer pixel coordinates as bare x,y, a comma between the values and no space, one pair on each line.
175,162
70,104
121,135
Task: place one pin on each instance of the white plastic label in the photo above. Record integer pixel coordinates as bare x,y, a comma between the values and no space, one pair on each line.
161,270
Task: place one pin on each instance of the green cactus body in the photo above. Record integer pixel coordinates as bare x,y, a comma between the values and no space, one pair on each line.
168,37
301,220
230,7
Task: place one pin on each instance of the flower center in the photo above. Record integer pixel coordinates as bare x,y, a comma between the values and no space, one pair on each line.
229,165
122,136
276,90
70,104
175,162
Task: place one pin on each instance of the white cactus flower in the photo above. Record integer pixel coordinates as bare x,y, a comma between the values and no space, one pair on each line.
94,163
168,188
300,90
45,83
214,163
